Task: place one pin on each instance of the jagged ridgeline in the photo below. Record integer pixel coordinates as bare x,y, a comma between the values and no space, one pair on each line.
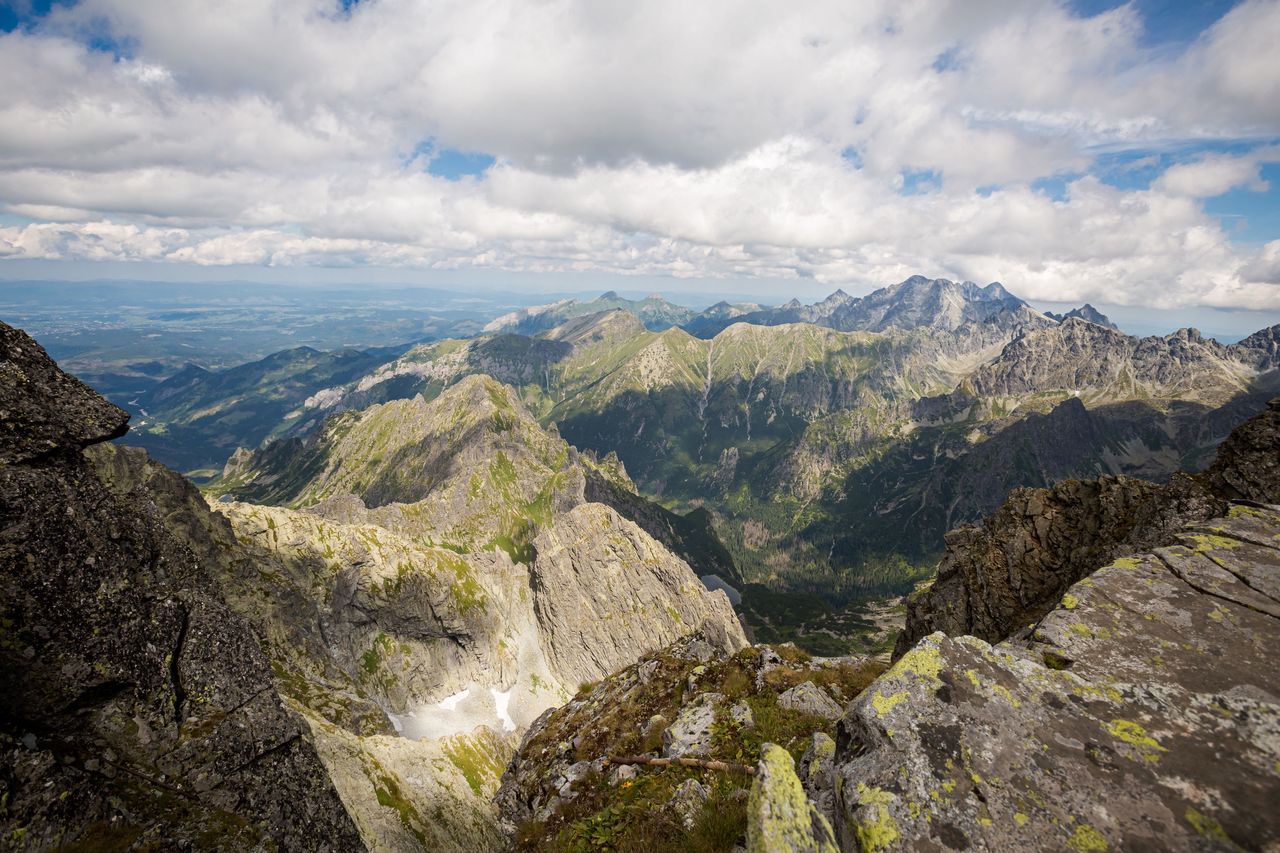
828,446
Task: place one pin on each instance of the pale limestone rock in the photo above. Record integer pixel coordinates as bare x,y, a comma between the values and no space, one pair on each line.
687,801
605,593
690,735
808,698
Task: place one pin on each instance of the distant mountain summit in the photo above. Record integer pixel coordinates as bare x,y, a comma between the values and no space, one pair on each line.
917,303
654,311
1087,313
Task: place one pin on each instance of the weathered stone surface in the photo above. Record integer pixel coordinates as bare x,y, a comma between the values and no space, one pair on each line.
43,409
817,772
1003,574
138,708
605,593
691,733
780,818
1142,713
808,698
1248,466
687,801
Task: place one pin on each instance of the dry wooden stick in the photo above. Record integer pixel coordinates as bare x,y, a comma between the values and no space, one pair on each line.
722,766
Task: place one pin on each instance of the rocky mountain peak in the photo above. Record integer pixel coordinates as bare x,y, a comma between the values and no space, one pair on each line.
1087,313
42,409
613,324
837,298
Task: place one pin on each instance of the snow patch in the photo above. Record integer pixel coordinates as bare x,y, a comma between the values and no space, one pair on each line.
501,704
462,712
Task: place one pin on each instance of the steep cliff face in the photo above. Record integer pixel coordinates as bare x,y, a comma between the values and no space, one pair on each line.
604,590
366,633
138,707
1000,576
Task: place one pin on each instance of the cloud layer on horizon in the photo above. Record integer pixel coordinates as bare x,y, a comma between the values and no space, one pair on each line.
852,143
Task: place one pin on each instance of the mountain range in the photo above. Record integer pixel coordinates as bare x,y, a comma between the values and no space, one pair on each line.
825,449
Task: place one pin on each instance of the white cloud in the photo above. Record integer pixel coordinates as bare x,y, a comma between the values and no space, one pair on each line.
664,137
1215,174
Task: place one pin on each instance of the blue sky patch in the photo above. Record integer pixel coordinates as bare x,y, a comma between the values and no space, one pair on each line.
1165,22
26,13
453,165
1249,216
1054,186
920,181
949,60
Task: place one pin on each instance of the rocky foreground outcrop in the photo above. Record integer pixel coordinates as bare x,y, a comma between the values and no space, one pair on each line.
1000,576
137,707
1130,707
1142,714
565,787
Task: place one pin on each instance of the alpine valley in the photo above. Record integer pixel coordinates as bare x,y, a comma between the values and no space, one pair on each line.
921,569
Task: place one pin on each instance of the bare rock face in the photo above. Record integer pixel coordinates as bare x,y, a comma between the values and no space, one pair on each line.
605,593
1248,465
138,708
1092,360
1142,713
360,624
42,409
806,697
1000,576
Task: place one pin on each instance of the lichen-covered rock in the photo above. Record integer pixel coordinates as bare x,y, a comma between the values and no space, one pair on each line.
687,801
138,708
605,593
691,734
817,772
780,818
740,714
1142,713
807,698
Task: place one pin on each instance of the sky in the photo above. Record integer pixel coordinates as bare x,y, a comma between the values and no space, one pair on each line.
1126,154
